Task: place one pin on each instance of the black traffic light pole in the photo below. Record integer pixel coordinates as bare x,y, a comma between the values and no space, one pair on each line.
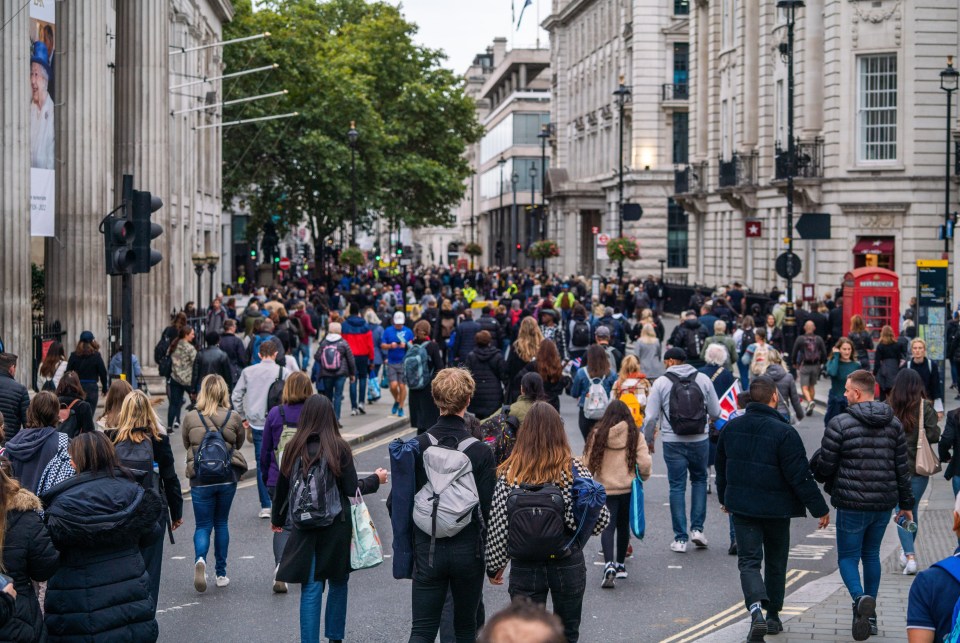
126,291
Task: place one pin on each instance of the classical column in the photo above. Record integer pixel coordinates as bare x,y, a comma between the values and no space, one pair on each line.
76,288
751,74
701,22
142,115
15,183
813,71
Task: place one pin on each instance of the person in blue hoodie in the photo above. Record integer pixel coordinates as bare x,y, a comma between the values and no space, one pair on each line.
32,449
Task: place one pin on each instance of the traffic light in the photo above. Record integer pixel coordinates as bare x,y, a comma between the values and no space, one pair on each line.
518,246
145,231
253,253
117,240
376,252
399,250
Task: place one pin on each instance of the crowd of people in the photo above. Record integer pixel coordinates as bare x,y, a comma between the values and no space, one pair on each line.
482,363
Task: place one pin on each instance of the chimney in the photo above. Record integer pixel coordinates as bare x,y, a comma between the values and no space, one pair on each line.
499,50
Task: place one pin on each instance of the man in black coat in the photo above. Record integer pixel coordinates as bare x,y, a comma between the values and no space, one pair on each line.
212,361
233,347
14,398
864,464
764,480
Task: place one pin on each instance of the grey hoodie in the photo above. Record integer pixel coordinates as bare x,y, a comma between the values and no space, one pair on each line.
786,389
250,394
658,406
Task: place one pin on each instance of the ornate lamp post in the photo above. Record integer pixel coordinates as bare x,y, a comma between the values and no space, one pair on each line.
353,135
623,95
199,263
212,260
948,83
499,229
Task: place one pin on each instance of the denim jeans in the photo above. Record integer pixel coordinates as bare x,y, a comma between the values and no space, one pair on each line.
177,391
257,432
767,541
302,354
919,485
859,534
333,389
565,580
358,387
280,538
835,406
211,511
335,616
457,568
680,458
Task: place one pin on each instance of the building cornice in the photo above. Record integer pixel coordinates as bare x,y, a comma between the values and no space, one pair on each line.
567,14
223,9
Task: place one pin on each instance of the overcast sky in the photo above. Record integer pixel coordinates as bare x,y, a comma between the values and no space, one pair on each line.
464,28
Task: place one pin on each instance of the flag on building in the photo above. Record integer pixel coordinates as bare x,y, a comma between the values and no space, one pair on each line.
728,404
526,4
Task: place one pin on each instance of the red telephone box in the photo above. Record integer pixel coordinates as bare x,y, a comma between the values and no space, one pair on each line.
874,294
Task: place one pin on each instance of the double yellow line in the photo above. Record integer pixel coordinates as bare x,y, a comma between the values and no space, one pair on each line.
728,615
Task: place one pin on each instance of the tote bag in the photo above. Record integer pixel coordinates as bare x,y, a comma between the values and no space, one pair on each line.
366,551
927,461
638,520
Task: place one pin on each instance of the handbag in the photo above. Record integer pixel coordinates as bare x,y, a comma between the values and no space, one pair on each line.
927,462
366,551
373,389
638,519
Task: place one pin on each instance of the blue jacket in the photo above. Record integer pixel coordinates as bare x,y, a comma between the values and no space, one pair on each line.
377,339
403,474
581,384
116,367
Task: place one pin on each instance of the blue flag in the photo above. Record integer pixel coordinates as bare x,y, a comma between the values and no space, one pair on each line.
526,4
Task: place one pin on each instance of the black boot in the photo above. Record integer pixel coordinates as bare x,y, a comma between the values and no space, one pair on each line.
774,626
864,608
873,626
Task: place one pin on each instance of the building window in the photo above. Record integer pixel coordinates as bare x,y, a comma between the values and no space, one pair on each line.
526,127
681,136
681,7
780,114
728,11
877,108
677,235
681,69
724,129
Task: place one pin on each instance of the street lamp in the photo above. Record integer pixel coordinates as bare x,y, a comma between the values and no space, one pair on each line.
352,136
948,83
533,201
623,95
791,6
544,135
212,260
515,224
499,232
199,263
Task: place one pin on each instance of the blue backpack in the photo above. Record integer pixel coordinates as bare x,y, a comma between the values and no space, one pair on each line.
211,462
416,367
951,565
589,499
257,340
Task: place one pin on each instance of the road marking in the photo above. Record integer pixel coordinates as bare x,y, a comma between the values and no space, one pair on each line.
176,607
809,552
178,558
827,533
674,566
730,614
246,558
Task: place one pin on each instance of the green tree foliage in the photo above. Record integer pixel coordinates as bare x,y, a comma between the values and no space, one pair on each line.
342,61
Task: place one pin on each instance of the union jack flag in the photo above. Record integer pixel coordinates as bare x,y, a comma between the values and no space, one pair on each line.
728,404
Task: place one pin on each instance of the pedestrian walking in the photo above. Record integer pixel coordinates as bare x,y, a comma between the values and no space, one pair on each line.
743,337
319,556
720,337
928,371
843,361
87,362
682,403
112,405
233,347
721,379
934,594
865,482
650,353
394,341
548,364
911,405
423,411
808,356
333,365
33,448
182,355
359,336
140,443
76,413
101,589
689,336
376,330
212,437
764,480
789,402
862,341
595,376
251,397
887,360
52,368
530,530
488,369
115,368
579,332
212,360
615,453
522,351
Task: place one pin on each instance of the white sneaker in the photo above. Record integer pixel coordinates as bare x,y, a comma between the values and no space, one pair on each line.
353,412
903,559
698,538
609,576
621,570
265,513
910,569
222,581
279,587
200,575
679,546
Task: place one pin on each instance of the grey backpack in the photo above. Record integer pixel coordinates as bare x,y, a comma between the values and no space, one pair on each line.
444,506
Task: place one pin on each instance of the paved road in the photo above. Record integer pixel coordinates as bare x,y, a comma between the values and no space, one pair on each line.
668,596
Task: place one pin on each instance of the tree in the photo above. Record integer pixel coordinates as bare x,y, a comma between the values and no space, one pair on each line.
342,61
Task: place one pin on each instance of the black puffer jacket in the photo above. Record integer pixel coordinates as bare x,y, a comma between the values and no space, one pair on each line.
212,361
101,591
14,401
863,459
489,372
28,554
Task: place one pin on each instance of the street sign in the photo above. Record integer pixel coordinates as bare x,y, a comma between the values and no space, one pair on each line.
788,265
753,229
284,263
932,305
632,211
596,229
813,225
603,240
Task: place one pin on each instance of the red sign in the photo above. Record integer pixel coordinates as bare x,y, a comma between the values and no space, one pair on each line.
284,263
596,229
753,229
603,240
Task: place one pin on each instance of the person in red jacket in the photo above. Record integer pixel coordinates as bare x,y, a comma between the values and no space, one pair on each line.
359,336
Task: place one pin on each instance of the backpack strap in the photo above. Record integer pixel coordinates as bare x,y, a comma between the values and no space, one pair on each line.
203,421
71,405
279,375
951,565
716,374
465,443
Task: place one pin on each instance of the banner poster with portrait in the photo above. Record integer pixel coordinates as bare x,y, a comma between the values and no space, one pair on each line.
43,173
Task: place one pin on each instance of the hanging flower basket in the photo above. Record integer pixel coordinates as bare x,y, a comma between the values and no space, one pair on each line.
544,249
473,249
623,249
352,256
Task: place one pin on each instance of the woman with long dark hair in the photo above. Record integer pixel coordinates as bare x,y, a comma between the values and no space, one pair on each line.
72,396
615,453
842,363
97,519
116,394
862,341
38,443
313,557
909,401
548,365
541,456
87,362
52,368
887,361
531,392
596,370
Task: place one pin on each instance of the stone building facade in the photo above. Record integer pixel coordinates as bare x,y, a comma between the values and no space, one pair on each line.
870,121
117,64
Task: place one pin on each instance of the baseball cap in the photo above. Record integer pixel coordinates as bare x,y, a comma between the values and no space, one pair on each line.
676,354
86,336
603,331
398,317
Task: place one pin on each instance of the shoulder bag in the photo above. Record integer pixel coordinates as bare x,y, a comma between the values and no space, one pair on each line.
927,462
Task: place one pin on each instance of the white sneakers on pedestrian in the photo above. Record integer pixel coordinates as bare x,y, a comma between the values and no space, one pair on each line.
200,575
222,581
279,587
698,538
903,559
910,569
679,546
265,512
811,405
609,574
353,412
621,570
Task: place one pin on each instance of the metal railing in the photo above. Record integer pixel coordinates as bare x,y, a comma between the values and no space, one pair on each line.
691,179
809,160
676,92
739,171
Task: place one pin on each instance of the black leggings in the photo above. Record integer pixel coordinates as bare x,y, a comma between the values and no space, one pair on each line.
619,506
586,425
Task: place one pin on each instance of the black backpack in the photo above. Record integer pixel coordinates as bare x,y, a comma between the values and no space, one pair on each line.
139,459
69,422
500,434
746,339
211,462
162,348
314,496
581,334
692,343
536,530
688,409
275,393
